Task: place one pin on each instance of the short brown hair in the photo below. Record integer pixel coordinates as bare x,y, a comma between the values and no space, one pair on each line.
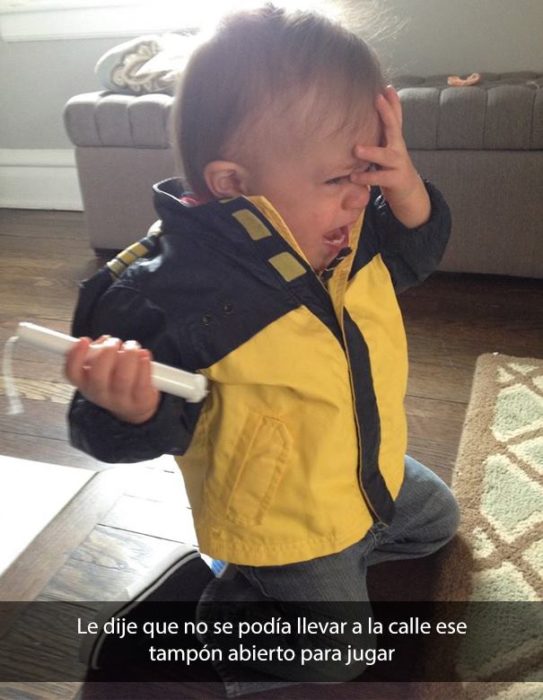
263,60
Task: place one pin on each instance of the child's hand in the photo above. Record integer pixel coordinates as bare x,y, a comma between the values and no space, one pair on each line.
401,185
115,376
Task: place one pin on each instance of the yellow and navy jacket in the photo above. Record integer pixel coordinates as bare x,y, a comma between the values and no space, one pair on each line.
299,447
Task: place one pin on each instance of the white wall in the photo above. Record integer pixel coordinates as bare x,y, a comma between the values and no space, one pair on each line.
36,80
463,36
37,165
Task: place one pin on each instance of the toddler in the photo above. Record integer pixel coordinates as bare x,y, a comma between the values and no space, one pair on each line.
276,276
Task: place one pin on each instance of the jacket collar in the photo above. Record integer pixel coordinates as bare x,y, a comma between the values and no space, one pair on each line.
168,194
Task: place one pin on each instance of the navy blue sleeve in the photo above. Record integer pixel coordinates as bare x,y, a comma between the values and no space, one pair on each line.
411,255
124,313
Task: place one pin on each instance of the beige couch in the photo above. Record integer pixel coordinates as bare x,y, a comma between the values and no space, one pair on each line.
482,145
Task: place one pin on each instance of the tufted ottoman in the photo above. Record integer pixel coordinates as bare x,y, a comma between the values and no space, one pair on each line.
482,145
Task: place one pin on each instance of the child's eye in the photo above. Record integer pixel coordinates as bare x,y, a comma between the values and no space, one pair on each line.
338,180
343,179
368,168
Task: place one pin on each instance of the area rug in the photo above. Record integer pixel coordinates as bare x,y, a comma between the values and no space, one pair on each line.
496,562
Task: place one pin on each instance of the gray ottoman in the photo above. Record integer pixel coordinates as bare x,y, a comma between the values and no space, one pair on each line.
482,146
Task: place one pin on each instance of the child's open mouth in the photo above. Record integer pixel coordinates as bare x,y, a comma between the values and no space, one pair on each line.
338,238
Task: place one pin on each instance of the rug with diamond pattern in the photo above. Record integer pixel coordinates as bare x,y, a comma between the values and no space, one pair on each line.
498,555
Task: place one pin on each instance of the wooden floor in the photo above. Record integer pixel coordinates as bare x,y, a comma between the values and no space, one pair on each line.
133,518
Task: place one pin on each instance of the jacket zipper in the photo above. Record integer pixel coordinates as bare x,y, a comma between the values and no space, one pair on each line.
373,512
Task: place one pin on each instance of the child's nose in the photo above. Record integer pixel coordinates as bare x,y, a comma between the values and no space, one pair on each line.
357,197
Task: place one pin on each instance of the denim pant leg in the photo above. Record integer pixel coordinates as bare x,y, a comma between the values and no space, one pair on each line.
426,517
319,586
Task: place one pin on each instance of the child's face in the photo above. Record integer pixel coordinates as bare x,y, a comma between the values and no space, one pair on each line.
311,188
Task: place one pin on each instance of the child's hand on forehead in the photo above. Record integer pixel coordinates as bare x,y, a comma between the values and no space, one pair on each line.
396,175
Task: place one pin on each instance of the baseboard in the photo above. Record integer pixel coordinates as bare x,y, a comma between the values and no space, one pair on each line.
39,179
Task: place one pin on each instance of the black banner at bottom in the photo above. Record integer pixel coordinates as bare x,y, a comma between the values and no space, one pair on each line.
299,642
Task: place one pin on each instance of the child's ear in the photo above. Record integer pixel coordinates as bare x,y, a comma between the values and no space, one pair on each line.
225,178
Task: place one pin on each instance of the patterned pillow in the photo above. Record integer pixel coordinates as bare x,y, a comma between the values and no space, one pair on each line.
146,64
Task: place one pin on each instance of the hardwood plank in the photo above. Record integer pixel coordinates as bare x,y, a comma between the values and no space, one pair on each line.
434,433
502,311
462,290
169,691
9,321
105,564
166,519
39,691
29,222
112,558
439,381
41,249
31,363
457,347
45,418
42,643
26,305
39,390
57,451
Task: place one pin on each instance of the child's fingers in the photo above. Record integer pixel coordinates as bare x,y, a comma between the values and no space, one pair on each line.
124,371
375,178
389,107
143,386
391,122
114,376
391,165
75,360
99,366
142,403
394,101
383,157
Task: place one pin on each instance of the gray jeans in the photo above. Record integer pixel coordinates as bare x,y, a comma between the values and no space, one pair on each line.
426,518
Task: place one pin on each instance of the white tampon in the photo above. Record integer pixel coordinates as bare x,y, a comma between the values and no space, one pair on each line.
189,386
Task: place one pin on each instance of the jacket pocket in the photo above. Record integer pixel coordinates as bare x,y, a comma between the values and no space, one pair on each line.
259,465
